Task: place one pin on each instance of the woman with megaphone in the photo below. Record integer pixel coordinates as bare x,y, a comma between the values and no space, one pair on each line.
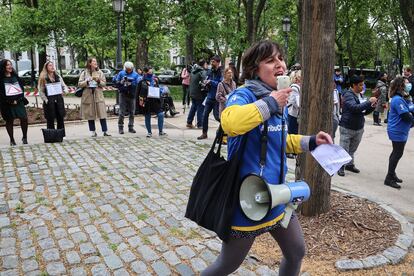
254,111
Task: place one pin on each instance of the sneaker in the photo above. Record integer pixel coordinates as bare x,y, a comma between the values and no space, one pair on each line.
106,134
94,135
149,135
163,134
189,126
24,140
131,130
203,136
352,168
341,172
121,131
12,143
391,183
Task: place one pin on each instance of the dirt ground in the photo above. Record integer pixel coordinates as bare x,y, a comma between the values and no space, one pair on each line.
354,228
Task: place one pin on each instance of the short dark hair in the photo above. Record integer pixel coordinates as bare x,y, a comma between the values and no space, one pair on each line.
356,79
146,69
381,74
396,85
257,53
408,69
216,58
338,70
201,62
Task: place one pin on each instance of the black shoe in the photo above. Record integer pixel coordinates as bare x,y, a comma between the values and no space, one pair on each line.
106,134
352,168
121,131
203,136
12,143
24,140
131,130
385,121
377,124
341,172
391,183
395,177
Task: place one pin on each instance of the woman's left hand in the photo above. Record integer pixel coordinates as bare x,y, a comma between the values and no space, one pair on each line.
323,138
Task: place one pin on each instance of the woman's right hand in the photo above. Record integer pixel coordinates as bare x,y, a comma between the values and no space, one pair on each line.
281,96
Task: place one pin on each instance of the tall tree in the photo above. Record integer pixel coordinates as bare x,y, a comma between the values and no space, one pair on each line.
318,36
253,14
407,12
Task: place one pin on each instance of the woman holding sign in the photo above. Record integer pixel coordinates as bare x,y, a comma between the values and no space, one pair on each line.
149,99
93,103
51,87
12,100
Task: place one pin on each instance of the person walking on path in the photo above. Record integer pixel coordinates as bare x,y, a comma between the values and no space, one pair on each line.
248,108
294,102
224,88
351,125
127,81
213,79
12,100
400,120
151,102
198,74
51,88
185,77
382,98
93,102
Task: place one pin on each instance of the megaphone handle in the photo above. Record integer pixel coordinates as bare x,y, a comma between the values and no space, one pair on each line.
288,215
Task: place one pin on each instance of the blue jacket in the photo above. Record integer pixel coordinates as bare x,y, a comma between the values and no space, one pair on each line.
397,128
339,80
132,76
215,77
353,111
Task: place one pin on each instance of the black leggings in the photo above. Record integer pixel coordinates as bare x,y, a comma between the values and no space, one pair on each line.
396,154
23,124
290,241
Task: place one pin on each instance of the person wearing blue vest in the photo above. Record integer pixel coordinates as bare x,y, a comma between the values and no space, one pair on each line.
400,120
247,109
127,81
339,80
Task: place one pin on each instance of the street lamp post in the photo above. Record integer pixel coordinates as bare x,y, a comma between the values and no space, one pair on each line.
118,6
286,23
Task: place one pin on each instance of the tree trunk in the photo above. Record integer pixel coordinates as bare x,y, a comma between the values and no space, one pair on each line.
298,55
42,57
189,47
318,36
142,53
253,18
407,13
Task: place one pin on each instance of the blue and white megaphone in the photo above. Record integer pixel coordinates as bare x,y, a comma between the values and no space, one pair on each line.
257,197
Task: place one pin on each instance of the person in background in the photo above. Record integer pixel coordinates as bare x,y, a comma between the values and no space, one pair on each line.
185,76
198,74
93,102
382,98
400,120
339,80
224,88
247,109
51,88
12,100
294,102
233,68
127,81
352,121
409,75
213,78
336,109
150,104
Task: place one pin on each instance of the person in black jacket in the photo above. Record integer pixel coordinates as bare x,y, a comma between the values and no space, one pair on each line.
12,100
198,75
354,108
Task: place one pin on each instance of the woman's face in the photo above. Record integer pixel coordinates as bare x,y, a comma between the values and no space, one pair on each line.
50,68
9,67
228,75
270,68
94,64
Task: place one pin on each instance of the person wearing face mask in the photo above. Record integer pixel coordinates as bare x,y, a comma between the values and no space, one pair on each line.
51,87
351,125
400,120
382,98
127,81
150,103
248,109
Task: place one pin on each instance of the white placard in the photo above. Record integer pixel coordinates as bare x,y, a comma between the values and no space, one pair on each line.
13,89
153,92
54,89
93,84
331,157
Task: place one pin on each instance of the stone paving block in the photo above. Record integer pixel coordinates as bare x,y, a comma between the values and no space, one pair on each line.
104,249
60,233
113,262
147,253
374,261
127,256
345,265
208,256
51,255
46,243
265,271
185,252
92,260
29,252
7,242
139,267
198,264
404,241
160,268
29,265
79,237
184,270
72,257
10,262
87,248
121,272
10,272
99,270
56,268
7,232
7,251
78,271
42,232
171,258
115,238
65,244
135,241
395,254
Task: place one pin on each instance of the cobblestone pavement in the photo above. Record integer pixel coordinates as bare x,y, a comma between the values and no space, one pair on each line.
103,207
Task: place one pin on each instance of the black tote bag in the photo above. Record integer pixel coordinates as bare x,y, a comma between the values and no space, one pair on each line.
215,189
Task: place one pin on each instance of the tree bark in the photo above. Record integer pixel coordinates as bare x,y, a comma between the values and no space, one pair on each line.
142,53
189,47
298,55
318,36
407,13
253,18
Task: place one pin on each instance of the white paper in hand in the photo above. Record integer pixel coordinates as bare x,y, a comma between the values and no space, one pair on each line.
331,157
